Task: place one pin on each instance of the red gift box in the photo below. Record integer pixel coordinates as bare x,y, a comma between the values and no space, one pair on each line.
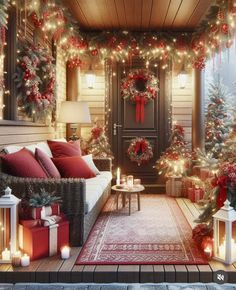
205,173
39,241
195,194
53,209
187,183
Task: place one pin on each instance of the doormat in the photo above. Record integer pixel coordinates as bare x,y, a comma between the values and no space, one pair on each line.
158,234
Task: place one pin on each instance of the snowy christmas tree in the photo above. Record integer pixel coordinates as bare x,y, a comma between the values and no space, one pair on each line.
176,159
98,144
224,183
216,130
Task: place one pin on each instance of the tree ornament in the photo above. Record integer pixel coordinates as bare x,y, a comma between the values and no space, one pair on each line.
140,150
225,28
140,87
94,52
220,15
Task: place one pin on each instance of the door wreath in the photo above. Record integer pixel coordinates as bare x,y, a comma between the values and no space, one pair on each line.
140,87
35,78
140,150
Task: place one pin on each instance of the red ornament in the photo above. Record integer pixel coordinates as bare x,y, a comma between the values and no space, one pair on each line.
199,63
233,11
225,28
94,52
220,15
214,28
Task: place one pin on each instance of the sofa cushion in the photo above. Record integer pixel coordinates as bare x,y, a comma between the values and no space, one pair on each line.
46,163
64,149
102,179
73,166
23,164
89,161
93,193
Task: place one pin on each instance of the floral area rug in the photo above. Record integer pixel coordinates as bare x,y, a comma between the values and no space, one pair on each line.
158,234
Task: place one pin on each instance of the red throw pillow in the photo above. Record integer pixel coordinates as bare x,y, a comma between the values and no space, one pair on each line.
23,164
73,166
64,149
46,163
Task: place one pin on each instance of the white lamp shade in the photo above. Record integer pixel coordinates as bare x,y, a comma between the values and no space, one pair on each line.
74,112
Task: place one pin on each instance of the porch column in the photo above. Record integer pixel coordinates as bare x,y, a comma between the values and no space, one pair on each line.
72,91
198,126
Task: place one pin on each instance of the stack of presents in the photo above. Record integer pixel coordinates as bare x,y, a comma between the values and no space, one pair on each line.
191,187
44,232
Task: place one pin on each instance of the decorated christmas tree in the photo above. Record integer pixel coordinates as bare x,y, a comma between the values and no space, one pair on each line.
177,157
98,144
216,130
223,185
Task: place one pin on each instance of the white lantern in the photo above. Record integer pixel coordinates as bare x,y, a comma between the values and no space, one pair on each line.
224,226
8,225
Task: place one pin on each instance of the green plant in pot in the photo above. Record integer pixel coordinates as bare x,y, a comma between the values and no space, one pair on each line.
43,198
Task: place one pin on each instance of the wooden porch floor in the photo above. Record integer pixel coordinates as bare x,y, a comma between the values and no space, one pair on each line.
55,270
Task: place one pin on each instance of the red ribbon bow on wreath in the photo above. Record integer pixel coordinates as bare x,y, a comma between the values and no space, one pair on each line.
140,102
140,147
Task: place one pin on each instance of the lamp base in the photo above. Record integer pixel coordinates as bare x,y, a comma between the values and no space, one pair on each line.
73,137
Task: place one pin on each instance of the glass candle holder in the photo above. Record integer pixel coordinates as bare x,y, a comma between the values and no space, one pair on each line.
137,182
16,259
130,181
123,179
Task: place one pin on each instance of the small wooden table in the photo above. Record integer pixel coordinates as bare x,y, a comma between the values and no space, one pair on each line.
125,191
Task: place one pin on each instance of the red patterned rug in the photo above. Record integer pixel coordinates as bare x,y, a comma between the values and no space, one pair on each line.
158,234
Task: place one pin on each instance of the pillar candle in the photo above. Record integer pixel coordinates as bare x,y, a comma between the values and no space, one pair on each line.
118,176
6,254
65,252
25,260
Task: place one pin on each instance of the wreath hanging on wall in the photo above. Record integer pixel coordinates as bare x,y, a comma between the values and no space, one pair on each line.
35,78
140,87
140,150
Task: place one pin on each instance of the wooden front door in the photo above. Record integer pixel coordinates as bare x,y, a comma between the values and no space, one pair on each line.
155,127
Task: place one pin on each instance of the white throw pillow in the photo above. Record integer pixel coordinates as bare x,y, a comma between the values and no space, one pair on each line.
89,161
12,149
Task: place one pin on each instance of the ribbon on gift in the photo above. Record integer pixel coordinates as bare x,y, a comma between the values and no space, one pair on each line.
222,195
140,102
53,233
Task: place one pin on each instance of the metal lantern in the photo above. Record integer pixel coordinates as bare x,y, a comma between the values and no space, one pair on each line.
8,225
224,223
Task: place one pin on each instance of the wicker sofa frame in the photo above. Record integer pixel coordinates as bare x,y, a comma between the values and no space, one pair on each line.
72,193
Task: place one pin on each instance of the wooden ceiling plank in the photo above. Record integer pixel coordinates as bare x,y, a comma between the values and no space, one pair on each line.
120,8
199,13
91,12
111,12
171,14
138,14
158,14
146,14
130,13
185,11
77,13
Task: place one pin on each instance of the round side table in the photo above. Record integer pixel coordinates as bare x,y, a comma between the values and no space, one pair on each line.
127,192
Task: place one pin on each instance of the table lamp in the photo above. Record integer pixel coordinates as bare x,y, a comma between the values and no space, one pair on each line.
74,113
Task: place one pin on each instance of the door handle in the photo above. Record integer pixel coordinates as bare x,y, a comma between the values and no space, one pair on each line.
115,126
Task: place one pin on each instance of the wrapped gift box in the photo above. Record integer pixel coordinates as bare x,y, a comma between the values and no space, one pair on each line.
195,194
174,186
205,173
39,241
53,209
187,183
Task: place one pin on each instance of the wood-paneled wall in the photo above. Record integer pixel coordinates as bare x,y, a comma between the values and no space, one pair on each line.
182,101
95,97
